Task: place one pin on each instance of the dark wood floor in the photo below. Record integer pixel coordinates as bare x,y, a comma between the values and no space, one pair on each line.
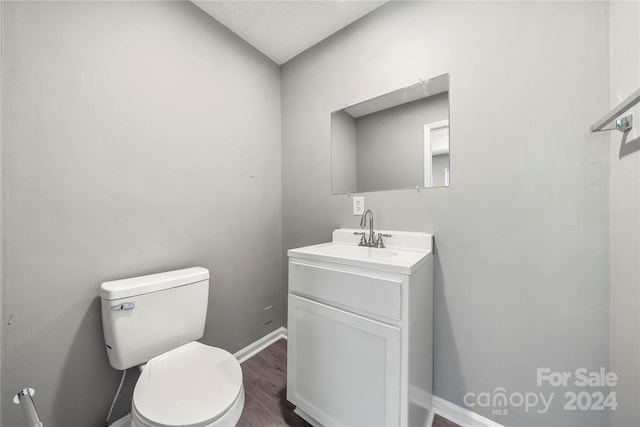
438,421
265,382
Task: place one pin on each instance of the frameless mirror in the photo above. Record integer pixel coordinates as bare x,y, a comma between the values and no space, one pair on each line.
396,141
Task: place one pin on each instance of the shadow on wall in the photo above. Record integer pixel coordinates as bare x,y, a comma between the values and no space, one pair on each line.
628,147
123,405
444,381
71,404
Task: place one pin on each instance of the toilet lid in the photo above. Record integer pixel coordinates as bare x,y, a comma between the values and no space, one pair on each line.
191,385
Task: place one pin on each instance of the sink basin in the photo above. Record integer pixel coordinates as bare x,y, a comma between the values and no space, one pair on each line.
405,251
358,251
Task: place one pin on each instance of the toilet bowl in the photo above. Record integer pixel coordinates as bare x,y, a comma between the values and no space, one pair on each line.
194,385
154,321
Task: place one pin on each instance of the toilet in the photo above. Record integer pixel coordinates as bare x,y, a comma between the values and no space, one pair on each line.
153,322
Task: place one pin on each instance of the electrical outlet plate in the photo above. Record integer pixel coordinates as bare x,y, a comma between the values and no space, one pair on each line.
358,205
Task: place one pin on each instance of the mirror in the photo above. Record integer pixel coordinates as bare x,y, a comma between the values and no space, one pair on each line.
395,141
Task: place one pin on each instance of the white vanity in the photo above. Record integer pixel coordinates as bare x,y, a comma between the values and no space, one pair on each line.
360,324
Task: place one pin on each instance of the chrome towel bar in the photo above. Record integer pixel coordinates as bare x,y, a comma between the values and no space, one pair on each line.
623,124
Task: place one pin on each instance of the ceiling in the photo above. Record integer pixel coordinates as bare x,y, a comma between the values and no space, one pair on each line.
283,29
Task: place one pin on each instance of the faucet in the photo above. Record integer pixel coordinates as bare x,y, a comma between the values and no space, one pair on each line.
363,223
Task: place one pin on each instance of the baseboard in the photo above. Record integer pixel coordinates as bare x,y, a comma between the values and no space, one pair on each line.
308,418
461,416
264,342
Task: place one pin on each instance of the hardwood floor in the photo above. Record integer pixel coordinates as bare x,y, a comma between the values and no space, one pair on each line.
265,382
438,421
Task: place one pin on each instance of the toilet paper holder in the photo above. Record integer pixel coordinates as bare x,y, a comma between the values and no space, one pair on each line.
24,398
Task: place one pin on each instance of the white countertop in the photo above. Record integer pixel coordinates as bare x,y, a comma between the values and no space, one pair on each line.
414,249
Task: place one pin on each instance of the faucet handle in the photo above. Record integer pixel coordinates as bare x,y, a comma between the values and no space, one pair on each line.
363,240
379,242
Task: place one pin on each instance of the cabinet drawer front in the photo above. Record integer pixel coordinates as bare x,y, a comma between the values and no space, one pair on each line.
362,293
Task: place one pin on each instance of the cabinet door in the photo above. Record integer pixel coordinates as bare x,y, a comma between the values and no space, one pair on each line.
342,369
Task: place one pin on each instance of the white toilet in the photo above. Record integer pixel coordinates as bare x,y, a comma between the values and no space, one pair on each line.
154,321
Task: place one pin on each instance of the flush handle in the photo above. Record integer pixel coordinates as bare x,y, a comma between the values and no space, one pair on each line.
123,306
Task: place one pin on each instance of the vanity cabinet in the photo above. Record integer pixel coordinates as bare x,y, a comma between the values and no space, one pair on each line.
359,339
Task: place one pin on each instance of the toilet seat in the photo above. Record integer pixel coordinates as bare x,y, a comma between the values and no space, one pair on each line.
194,385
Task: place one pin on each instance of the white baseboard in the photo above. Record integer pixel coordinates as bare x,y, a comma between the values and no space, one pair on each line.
264,342
308,418
461,416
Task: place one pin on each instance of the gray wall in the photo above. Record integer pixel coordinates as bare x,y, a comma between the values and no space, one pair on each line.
138,137
625,217
390,144
522,260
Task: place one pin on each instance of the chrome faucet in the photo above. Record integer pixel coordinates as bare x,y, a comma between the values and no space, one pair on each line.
363,223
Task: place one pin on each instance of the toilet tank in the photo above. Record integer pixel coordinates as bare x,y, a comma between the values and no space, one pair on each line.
143,317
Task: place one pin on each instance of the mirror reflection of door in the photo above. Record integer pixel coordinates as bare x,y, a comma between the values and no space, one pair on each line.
436,154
